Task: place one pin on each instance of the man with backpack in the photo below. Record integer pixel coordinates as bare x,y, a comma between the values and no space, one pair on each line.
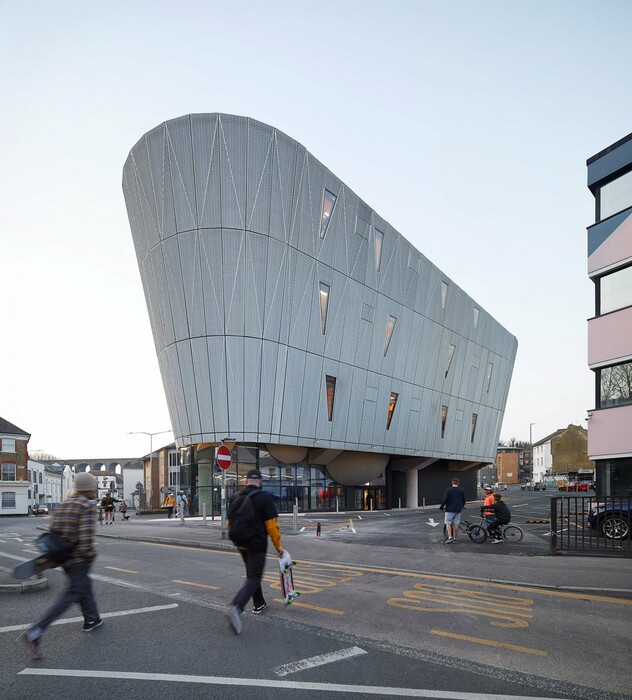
252,517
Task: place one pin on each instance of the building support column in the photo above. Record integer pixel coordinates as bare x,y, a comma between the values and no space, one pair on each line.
412,493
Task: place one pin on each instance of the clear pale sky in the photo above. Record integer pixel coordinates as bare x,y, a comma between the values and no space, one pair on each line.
465,124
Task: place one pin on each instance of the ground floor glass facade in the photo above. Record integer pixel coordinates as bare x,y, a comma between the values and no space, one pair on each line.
305,485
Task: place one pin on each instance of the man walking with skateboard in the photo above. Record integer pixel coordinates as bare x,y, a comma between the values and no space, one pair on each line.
252,517
74,520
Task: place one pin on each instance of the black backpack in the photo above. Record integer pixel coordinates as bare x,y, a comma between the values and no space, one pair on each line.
242,518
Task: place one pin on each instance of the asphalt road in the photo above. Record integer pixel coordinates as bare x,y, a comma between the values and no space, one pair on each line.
358,628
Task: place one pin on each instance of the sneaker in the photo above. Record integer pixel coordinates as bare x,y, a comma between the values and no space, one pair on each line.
496,541
234,618
259,609
449,540
32,647
93,624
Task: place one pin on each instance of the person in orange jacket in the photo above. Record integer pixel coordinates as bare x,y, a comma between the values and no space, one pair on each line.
488,513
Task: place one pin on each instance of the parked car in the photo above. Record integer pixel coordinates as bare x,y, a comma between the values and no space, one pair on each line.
40,509
574,486
500,486
527,486
611,518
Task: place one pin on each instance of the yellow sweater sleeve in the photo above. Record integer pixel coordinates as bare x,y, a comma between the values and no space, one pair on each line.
274,532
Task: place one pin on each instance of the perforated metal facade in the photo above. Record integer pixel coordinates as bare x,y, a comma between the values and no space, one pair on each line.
226,216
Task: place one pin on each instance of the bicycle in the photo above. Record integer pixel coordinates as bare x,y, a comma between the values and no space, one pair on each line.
479,533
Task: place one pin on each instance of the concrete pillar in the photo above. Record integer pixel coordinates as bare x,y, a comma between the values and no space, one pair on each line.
412,498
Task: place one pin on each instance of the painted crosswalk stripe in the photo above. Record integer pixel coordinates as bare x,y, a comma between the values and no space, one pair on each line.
319,660
118,613
267,683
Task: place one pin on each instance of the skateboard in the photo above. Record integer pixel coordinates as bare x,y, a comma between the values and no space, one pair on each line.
287,578
34,567
52,556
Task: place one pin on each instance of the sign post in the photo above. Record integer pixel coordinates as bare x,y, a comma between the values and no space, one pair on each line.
223,459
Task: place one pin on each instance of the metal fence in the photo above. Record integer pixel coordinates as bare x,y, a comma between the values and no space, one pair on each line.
591,525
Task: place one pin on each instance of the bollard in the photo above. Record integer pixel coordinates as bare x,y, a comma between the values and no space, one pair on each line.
317,529
204,513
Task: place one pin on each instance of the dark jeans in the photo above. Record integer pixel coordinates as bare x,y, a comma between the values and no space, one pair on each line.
492,528
79,590
255,563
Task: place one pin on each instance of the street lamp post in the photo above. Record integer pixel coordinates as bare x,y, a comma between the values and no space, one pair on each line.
151,450
531,446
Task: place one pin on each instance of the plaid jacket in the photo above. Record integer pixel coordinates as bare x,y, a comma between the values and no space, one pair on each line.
74,519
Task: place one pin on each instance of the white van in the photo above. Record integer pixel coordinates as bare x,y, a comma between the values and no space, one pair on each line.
500,486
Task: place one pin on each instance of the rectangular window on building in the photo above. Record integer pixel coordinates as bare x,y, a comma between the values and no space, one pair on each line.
391,408
330,383
379,240
444,294
8,471
324,303
451,350
615,196
8,499
390,327
173,459
614,291
8,445
474,419
444,417
614,385
329,202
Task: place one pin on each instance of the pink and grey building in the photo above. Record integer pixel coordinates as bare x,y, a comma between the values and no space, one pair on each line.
610,330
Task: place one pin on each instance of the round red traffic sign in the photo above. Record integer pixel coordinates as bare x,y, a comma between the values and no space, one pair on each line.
223,457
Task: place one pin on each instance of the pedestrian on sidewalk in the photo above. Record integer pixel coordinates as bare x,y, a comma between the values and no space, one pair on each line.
169,503
452,502
182,504
123,511
107,503
74,520
252,518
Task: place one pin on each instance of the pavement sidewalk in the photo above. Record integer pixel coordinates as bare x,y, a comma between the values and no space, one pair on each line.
581,574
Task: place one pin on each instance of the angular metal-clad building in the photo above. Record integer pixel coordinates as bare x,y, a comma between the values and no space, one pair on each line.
288,315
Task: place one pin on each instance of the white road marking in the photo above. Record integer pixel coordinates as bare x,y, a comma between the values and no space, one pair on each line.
388,514
519,505
266,683
359,517
14,556
119,613
303,529
432,523
319,660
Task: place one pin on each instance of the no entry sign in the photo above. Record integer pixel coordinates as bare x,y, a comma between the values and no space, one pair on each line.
223,457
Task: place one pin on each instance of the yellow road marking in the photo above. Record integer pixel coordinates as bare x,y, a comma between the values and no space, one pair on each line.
491,643
197,585
127,571
436,577
311,607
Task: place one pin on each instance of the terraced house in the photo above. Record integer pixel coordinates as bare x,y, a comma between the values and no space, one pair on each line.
14,483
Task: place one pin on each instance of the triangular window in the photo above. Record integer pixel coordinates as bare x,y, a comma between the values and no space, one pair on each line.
474,419
324,303
379,240
475,317
391,408
329,202
488,377
330,383
444,294
451,350
390,327
444,418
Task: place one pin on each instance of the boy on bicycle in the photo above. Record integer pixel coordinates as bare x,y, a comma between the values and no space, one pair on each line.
502,517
